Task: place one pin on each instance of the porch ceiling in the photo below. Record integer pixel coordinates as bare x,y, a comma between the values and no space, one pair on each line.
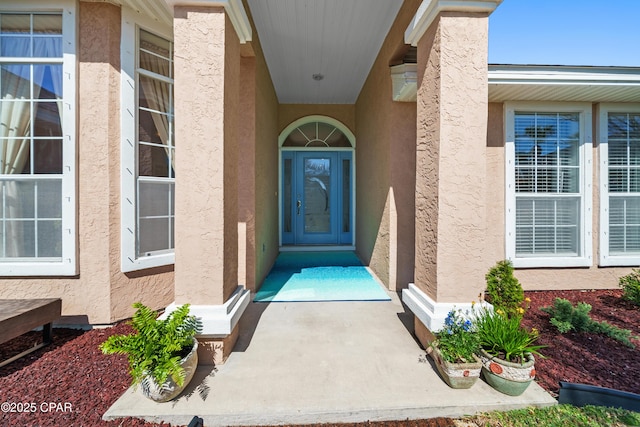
336,39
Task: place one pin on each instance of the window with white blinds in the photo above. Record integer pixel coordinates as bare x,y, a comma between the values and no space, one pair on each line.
620,167
546,200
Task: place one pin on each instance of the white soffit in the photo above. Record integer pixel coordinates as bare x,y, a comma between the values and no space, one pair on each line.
563,83
162,11
337,39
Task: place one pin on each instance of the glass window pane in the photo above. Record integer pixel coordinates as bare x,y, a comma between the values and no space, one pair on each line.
47,81
634,126
47,120
154,94
153,161
50,238
346,196
617,125
617,152
634,152
16,158
47,156
15,47
49,198
154,198
20,239
15,118
153,235
287,196
153,127
569,126
15,82
47,47
19,199
155,53
547,226
47,24
13,23
317,193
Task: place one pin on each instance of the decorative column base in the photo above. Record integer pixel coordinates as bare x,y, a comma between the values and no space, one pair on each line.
430,315
219,326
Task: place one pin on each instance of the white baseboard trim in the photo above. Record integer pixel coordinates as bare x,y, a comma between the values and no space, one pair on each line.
429,312
218,321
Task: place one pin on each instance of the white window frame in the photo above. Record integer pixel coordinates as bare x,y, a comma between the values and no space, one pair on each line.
584,259
132,22
68,266
603,110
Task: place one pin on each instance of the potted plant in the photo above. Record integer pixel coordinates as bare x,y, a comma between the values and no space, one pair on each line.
507,351
162,353
454,350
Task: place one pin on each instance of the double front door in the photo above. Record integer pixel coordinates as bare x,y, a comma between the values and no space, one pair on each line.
317,200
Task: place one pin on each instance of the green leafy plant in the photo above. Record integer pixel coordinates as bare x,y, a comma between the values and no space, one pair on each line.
630,285
504,291
157,346
504,337
457,340
565,317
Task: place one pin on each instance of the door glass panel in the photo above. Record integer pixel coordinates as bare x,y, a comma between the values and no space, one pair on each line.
317,193
346,195
287,196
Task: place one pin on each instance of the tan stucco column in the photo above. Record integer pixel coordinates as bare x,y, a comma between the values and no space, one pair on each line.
452,102
207,94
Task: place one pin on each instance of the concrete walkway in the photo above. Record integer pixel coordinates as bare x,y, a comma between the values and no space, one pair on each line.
329,362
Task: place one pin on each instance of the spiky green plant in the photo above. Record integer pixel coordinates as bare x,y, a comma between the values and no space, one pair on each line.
157,346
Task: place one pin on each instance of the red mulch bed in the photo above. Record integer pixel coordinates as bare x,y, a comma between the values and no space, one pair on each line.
587,358
71,383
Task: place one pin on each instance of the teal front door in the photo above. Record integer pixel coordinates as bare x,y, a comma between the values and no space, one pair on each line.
316,198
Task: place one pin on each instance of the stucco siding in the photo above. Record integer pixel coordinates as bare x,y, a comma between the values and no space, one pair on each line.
385,162
266,173
451,216
101,293
207,66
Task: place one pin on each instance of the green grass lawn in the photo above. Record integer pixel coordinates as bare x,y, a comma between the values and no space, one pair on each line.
559,416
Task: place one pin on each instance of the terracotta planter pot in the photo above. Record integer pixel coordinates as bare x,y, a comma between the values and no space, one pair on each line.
456,375
169,390
507,377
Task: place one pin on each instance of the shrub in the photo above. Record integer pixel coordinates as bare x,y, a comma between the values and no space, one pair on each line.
504,291
630,284
565,317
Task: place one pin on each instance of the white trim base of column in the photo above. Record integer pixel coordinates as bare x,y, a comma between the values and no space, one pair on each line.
218,321
429,312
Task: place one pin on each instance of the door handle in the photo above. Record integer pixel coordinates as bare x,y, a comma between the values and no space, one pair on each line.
298,205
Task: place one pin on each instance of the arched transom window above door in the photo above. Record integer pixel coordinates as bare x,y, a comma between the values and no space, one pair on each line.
317,134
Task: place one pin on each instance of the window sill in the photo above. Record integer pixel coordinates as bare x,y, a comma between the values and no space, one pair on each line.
551,262
37,269
150,261
619,261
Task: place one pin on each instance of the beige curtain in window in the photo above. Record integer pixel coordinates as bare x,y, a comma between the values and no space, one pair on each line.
15,123
157,95
15,120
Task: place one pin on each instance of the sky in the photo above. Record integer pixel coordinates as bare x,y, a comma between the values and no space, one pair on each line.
566,32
